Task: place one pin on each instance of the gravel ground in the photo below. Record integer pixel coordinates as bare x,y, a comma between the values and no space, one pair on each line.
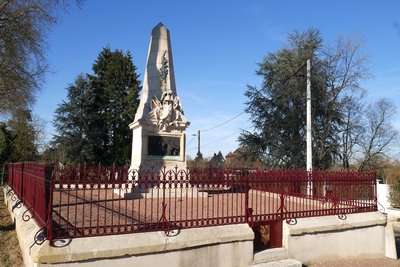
95,211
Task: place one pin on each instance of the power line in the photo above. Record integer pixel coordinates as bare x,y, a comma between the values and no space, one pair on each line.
293,74
190,141
219,125
217,140
214,141
283,82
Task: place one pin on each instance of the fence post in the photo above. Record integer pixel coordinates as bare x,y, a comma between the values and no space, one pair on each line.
10,175
248,210
2,174
22,182
282,198
13,175
163,219
49,185
375,185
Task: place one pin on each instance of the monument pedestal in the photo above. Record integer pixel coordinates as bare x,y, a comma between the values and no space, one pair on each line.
157,149
176,193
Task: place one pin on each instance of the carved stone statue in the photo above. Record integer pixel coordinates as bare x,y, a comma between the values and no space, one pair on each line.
168,111
164,71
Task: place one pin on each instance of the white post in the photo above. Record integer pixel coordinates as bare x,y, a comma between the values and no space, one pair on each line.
309,129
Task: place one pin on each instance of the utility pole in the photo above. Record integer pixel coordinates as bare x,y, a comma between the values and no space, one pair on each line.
309,130
198,143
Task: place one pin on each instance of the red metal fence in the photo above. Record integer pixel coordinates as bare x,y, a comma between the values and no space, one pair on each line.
30,183
92,201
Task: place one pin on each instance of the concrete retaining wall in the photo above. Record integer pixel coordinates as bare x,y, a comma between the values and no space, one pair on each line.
362,235
383,195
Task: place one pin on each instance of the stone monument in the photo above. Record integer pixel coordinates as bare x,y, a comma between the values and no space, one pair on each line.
159,127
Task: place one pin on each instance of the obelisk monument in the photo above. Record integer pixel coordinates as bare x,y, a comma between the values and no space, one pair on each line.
159,127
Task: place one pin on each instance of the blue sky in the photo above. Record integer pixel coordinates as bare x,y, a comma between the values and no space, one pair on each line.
216,47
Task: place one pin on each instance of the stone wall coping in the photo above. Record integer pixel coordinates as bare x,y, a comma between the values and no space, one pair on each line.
393,213
315,225
90,248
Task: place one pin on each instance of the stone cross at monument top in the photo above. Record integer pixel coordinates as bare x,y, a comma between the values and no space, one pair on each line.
159,126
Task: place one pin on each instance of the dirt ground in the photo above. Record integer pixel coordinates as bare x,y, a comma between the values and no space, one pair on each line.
10,253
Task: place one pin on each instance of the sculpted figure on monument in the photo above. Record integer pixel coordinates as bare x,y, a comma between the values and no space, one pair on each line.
167,112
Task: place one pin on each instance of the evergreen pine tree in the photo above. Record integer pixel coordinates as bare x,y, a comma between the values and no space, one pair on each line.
72,122
115,87
92,124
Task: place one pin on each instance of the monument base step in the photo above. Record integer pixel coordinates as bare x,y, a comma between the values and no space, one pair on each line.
280,263
178,193
275,257
268,255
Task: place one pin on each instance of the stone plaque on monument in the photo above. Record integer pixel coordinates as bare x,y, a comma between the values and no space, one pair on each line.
159,127
163,146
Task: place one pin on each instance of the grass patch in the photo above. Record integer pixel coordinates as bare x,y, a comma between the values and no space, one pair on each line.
10,253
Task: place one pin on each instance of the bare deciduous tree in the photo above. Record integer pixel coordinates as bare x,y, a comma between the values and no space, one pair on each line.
344,67
378,134
352,128
23,29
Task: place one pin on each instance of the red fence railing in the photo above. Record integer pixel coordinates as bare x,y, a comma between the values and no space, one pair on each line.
30,183
92,201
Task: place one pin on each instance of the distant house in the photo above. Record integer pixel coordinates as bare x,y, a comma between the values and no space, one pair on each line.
230,158
240,159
